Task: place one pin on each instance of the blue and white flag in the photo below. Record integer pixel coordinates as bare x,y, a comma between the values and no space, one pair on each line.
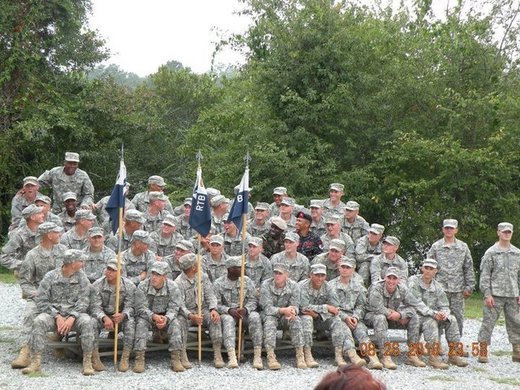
241,202
117,198
200,215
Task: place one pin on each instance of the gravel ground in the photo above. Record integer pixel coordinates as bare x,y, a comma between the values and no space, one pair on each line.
500,373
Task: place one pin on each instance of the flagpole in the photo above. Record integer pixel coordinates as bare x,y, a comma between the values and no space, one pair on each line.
199,279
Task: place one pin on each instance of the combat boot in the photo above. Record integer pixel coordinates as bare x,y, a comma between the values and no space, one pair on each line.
483,356
139,362
87,364
124,364
218,362
232,358
457,361
35,366
24,359
257,358
309,360
97,364
516,353
355,359
184,360
272,363
300,358
374,363
413,360
176,361
338,353
388,363
436,362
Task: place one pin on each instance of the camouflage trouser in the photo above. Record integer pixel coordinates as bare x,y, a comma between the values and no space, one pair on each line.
127,327
44,323
271,323
360,334
512,316
363,269
340,333
431,327
253,322
144,325
215,330
456,301
381,325
30,313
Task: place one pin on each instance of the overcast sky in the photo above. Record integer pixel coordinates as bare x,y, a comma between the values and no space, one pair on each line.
142,35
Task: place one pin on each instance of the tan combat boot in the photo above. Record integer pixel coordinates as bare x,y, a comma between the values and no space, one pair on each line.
457,361
35,366
124,364
338,353
232,358
97,364
272,363
388,363
300,358
355,359
309,360
218,362
257,358
374,363
176,361
436,362
139,362
87,364
184,360
516,353
24,358
413,360
483,356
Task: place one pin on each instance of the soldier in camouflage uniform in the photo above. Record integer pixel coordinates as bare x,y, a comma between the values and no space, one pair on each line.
280,301
430,291
141,200
286,213
138,259
134,221
259,224
219,208
232,238
184,227
183,247
23,239
297,264
227,291
352,296
389,258
273,240
332,258
63,300
188,284
68,178
500,284
77,237
278,194
97,254
23,198
354,224
310,244
214,263
367,248
318,221
68,215
319,309
392,305
165,239
158,303
103,311
44,202
45,257
333,225
334,205
99,209
155,212
455,272
258,267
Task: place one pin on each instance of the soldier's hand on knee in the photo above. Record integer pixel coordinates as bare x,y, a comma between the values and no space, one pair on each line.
108,324
195,318
351,322
215,317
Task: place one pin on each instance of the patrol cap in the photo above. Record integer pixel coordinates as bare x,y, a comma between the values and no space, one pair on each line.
69,195
169,220
305,215
187,261
84,214
376,228
262,206
292,236
349,262
337,244
256,241
279,222
288,201
48,227
72,255
280,191
187,201
185,245
160,267
318,269
504,226
392,240
112,264
218,200
333,218
33,180
157,180
32,209
337,187
453,223
233,261
134,215
280,267
212,192
216,239
157,195
43,198
141,235
430,263
95,231
392,271
71,156
352,205
316,204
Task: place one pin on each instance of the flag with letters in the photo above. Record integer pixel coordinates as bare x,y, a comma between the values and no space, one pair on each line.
241,202
117,198
200,215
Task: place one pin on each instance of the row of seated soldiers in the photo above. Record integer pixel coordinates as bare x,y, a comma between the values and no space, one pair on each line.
160,294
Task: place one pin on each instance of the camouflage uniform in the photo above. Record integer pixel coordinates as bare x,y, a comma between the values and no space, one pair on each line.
164,246
18,203
153,222
455,274
214,269
113,242
217,224
310,246
332,268
380,264
184,228
72,241
49,218
271,300
96,262
291,223
349,244
271,245
67,221
134,265
365,253
103,217
233,245
329,208
357,229
318,228
227,292
21,241
258,270
141,202
299,267
257,230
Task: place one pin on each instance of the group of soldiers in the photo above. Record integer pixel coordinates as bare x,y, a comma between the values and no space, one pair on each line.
316,272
